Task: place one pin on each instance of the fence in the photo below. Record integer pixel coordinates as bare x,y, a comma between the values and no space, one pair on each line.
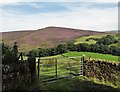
50,69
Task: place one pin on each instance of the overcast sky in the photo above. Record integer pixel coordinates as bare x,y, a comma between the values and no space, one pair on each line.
98,15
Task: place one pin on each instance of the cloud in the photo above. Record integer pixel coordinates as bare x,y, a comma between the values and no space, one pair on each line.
35,5
33,8
79,16
9,1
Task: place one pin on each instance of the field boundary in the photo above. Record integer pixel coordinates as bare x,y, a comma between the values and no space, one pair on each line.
54,68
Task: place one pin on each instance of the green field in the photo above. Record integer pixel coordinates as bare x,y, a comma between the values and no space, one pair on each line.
87,54
63,63
93,55
83,39
63,70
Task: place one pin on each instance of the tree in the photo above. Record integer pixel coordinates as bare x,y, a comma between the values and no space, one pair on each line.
115,50
61,48
71,47
94,48
106,40
9,53
110,37
82,47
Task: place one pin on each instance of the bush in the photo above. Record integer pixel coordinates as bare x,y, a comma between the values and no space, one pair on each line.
9,53
107,40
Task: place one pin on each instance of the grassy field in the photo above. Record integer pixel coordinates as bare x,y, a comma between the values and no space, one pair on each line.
87,54
79,84
76,83
83,39
93,55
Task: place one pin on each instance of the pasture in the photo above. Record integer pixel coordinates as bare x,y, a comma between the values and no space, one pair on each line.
83,39
93,55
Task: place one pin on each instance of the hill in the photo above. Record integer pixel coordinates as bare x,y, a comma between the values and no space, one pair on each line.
45,37
113,31
84,38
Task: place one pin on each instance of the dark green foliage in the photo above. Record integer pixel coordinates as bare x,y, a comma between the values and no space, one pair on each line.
96,39
101,46
107,40
115,50
9,53
71,47
41,52
15,49
82,47
115,40
103,49
94,48
61,48
87,39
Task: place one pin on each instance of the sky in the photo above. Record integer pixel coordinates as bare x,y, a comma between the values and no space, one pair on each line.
97,15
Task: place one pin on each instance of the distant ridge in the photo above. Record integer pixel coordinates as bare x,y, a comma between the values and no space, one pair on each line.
45,37
113,31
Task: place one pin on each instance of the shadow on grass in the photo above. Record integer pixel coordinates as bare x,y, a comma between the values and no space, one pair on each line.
88,86
65,85
77,85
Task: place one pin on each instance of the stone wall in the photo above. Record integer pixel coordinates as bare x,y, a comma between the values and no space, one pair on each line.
15,75
102,70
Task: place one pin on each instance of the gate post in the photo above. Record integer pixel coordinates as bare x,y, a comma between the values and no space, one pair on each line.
38,69
82,73
83,65
56,68
32,66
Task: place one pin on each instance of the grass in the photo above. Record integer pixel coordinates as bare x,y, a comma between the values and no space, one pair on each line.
62,70
79,84
48,68
83,39
93,55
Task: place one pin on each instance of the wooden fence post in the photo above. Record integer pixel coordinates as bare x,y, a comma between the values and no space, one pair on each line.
38,69
56,68
32,66
83,65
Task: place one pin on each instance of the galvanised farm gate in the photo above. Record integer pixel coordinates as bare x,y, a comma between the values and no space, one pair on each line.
50,69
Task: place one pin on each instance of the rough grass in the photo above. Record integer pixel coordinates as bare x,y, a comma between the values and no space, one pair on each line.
83,39
79,84
93,55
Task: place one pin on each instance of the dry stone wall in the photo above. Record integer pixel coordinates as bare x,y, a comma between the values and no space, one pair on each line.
15,74
102,70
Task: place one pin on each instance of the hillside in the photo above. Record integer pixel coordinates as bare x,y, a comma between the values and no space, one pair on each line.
113,31
45,37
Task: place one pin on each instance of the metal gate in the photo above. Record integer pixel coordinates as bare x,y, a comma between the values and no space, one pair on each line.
50,69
